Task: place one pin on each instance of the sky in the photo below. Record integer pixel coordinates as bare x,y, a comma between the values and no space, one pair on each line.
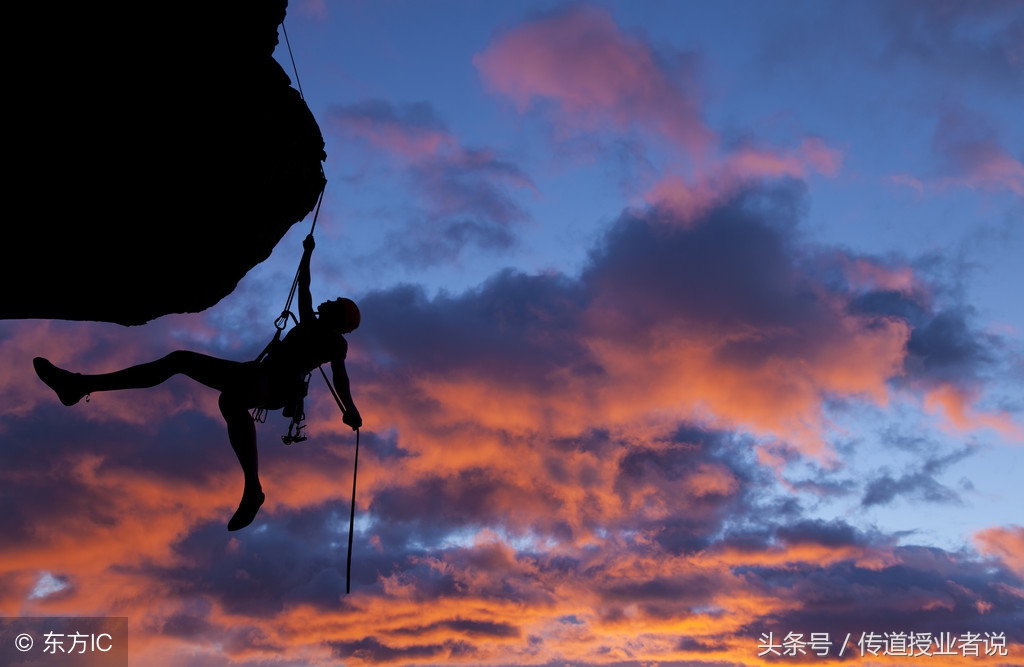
683,323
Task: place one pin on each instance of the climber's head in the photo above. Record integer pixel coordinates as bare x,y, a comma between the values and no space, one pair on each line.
341,314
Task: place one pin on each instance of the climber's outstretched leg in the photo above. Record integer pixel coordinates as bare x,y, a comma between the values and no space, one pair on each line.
219,374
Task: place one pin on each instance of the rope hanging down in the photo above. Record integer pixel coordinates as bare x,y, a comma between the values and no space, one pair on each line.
352,506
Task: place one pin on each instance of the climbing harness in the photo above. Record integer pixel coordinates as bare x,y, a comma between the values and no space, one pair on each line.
294,410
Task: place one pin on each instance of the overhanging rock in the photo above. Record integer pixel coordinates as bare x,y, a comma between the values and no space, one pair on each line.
158,152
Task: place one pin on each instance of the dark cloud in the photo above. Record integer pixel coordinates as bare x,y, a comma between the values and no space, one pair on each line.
184,625
888,303
469,183
922,590
824,533
885,489
473,496
690,644
416,116
465,626
966,40
510,326
827,488
918,484
466,194
908,442
699,476
289,562
370,649
736,269
943,346
737,266
468,203
969,43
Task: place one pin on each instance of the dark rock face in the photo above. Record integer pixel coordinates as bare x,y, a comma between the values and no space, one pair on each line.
158,153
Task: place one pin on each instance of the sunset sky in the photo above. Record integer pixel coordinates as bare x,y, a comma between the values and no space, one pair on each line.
683,323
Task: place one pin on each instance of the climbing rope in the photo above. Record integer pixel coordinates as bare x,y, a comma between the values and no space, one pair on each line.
282,319
281,323
298,84
352,505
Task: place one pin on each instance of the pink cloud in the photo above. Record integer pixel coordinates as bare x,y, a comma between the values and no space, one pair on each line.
316,9
689,197
909,181
864,273
406,141
986,166
812,154
593,76
596,76
970,155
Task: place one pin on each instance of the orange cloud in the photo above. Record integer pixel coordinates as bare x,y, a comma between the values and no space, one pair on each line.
1006,543
958,406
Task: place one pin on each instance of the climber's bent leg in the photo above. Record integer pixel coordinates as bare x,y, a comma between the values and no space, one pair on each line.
242,433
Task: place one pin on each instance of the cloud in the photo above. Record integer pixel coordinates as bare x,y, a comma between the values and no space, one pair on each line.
554,466
592,77
1006,543
968,153
411,131
465,193
730,322
690,197
315,9
919,484
967,41
946,359
973,46
595,76
918,588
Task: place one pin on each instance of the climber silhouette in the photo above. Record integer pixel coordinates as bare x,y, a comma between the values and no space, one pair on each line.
277,381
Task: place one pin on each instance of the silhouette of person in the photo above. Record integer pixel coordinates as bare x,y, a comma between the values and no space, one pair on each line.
276,382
